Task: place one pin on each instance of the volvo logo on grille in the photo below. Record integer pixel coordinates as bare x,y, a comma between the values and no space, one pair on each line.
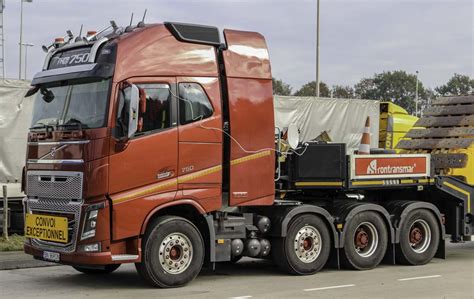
53,151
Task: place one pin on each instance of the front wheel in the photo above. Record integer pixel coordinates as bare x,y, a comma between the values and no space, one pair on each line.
97,269
306,247
419,238
172,253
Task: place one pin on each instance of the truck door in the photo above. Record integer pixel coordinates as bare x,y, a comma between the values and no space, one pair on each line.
200,141
143,170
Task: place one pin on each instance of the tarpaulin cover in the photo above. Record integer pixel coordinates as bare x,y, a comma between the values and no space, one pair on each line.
343,119
15,119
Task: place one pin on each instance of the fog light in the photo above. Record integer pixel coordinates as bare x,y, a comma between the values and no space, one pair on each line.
90,223
94,247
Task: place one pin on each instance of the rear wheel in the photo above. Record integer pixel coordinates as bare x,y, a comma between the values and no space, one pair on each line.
97,269
365,241
172,253
306,247
419,238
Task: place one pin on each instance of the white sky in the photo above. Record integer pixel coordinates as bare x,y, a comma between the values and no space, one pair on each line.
358,37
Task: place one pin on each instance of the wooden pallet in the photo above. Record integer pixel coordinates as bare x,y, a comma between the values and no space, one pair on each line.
454,100
445,121
449,160
431,144
449,110
441,132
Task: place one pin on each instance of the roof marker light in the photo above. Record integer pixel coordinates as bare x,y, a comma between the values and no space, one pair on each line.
47,48
58,42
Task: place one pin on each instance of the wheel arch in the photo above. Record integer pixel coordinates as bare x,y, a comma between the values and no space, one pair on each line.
183,208
187,209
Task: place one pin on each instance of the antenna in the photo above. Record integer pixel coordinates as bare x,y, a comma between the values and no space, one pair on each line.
79,38
129,27
142,22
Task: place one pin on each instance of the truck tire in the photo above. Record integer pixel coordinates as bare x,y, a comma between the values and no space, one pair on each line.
172,252
419,238
97,269
306,247
365,241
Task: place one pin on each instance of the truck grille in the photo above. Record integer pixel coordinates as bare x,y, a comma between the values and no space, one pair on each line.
62,208
54,184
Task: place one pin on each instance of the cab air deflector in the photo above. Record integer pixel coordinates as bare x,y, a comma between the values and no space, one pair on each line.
191,33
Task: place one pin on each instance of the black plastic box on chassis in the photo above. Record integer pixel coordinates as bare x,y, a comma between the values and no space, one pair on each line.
320,162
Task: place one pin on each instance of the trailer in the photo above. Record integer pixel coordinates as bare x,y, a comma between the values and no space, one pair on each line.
15,118
155,145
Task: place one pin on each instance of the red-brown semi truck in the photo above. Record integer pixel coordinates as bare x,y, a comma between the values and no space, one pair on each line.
156,145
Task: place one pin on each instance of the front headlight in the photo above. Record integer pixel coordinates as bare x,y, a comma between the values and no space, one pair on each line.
90,224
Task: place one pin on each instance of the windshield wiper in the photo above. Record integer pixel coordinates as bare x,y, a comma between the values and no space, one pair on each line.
38,127
73,123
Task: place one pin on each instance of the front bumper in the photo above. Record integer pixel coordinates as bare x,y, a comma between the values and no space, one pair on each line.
96,258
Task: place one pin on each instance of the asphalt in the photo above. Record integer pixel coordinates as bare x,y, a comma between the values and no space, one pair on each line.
450,278
18,260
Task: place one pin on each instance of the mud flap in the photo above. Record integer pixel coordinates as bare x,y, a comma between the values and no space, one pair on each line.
441,252
465,194
389,257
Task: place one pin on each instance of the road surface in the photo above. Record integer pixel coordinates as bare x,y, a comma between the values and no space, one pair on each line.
450,278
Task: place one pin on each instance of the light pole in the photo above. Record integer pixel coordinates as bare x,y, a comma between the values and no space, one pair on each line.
416,95
2,7
26,45
317,50
21,34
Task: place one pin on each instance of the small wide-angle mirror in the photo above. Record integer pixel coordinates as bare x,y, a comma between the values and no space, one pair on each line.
48,95
133,110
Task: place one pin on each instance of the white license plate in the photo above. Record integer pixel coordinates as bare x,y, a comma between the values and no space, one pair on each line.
51,256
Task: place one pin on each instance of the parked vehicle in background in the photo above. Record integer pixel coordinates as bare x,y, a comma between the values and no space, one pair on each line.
155,145
395,122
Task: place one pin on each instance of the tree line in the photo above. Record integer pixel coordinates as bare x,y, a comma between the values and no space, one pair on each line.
398,87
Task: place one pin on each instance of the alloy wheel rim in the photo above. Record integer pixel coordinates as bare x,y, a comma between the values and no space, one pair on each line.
307,244
175,253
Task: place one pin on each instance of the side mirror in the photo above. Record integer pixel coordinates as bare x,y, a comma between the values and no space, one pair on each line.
142,108
142,100
133,110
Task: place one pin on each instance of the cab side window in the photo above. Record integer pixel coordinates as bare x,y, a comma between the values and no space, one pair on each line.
158,107
194,104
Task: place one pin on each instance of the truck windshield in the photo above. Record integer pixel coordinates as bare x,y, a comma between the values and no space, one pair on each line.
83,105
